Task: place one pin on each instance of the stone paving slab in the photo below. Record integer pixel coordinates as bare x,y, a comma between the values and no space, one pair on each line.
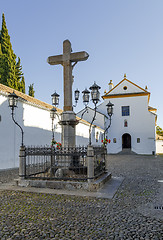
107,191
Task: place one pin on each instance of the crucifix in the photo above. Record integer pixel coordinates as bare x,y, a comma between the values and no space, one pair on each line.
68,60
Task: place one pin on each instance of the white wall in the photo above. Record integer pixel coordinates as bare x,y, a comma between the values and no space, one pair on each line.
82,135
131,88
9,137
141,124
159,146
37,125
88,116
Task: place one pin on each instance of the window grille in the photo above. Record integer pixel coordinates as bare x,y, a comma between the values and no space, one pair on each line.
125,111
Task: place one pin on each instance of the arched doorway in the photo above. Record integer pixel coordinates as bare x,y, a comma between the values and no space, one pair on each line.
126,140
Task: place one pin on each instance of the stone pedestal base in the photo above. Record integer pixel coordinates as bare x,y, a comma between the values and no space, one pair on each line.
68,123
66,185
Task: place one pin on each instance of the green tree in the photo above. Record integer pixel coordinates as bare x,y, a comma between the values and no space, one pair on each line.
1,64
20,77
22,85
19,72
8,58
31,91
159,131
10,71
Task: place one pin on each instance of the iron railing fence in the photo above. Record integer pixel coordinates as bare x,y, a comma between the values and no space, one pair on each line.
66,163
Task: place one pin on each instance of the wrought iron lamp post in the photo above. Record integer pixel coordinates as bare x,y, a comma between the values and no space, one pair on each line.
55,99
85,101
76,93
86,97
52,116
12,100
110,113
95,94
53,111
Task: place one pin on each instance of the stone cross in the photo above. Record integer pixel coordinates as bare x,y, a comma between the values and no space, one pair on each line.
66,60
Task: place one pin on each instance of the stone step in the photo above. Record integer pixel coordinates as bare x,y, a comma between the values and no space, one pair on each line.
98,183
126,151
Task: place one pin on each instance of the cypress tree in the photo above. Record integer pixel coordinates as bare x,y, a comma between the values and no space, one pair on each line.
8,60
11,71
22,85
19,72
1,64
31,91
20,77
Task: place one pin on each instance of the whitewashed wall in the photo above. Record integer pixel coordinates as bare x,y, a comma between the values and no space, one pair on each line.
36,124
159,146
9,137
141,124
82,134
88,116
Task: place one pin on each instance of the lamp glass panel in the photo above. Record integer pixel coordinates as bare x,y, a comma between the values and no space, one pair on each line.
52,114
110,110
55,100
15,102
86,97
12,101
95,95
77,95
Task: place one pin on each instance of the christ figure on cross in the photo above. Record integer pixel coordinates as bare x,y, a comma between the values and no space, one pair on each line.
68,118
66,60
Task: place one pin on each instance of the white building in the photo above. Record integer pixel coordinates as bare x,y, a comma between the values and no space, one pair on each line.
133,121
159,144
34,117
132,126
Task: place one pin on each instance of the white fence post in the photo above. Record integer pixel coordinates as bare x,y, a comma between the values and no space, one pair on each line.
90,163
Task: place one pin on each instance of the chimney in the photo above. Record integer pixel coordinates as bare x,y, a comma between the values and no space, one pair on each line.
110,85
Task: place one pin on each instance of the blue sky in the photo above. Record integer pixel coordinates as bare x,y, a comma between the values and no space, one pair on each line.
121,36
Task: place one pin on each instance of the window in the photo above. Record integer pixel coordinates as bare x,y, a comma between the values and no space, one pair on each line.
125,123
125,88
97,136
114,140
138,140
125,111
0,118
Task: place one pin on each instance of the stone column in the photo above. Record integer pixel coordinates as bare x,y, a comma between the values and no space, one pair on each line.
22,163
68,122
90,163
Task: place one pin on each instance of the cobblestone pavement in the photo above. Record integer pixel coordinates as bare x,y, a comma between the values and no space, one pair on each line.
126,216
8,175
